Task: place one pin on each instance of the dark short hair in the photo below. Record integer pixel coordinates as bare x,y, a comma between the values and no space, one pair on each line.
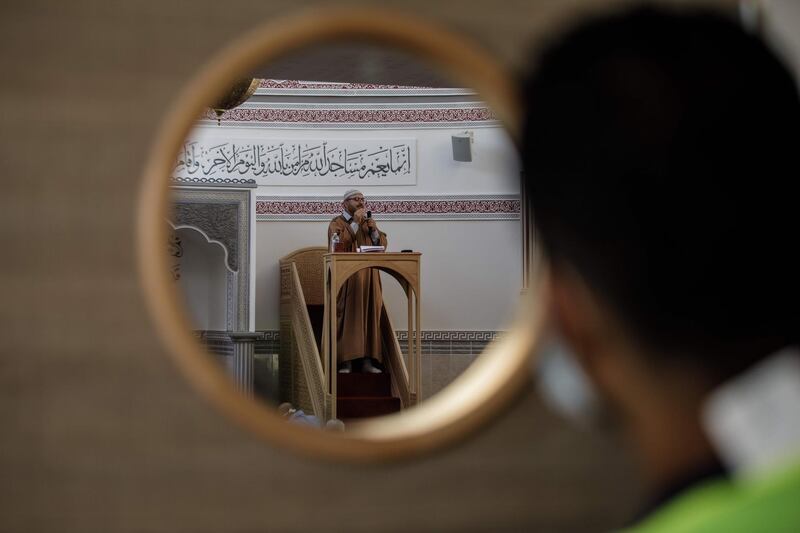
658,151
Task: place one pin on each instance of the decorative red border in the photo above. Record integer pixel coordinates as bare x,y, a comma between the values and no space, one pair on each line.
405,207
339,116
293,84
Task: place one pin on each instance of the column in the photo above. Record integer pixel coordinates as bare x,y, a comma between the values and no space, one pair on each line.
243,359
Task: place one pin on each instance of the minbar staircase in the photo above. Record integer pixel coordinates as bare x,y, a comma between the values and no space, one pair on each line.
364,395
303,382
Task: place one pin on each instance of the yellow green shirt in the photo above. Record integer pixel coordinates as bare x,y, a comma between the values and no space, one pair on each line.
769,503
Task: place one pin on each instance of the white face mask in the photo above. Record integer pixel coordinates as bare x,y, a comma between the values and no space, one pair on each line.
563,384
753,420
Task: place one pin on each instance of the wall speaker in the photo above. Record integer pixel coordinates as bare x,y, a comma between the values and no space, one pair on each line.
462,147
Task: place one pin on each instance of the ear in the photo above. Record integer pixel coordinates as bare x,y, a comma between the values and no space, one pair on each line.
576,317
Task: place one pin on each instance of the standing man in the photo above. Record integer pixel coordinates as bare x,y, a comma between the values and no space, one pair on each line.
360,302
659,148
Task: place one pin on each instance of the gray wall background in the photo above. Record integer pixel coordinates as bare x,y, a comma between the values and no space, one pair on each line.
98,429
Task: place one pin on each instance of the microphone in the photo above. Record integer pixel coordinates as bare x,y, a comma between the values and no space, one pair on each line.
369,214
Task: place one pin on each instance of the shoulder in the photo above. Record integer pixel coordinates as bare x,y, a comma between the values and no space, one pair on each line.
337,223
768,504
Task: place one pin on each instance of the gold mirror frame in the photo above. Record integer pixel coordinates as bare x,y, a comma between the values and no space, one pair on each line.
482,391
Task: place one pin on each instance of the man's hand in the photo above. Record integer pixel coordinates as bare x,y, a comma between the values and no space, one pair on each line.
371,224
359,216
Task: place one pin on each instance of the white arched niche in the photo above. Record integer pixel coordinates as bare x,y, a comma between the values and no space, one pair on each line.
202,278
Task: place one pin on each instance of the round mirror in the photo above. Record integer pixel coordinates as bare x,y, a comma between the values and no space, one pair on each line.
339,198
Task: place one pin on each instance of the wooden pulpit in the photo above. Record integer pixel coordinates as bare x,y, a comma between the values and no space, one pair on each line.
405,268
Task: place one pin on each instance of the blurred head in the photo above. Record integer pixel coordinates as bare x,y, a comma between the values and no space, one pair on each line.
658,148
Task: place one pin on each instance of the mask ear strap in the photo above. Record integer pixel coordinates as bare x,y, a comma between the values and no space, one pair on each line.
563,384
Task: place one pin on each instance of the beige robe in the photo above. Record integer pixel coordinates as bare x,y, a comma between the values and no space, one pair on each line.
360,302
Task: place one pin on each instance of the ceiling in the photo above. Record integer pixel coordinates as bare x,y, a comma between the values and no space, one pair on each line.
355,62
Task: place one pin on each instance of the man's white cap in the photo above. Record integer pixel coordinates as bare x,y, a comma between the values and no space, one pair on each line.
351,192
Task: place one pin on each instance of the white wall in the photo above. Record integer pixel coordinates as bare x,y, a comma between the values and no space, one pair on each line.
471,269
203,280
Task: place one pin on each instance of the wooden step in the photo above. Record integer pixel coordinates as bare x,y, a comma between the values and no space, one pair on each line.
363,385
355,407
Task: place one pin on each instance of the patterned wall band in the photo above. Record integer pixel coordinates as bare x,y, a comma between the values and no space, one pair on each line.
434,342
266,83
453,335
274,335
313,88
462,207
237,183
320,104
415,116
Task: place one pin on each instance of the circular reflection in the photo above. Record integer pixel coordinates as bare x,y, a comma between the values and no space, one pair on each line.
347,133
